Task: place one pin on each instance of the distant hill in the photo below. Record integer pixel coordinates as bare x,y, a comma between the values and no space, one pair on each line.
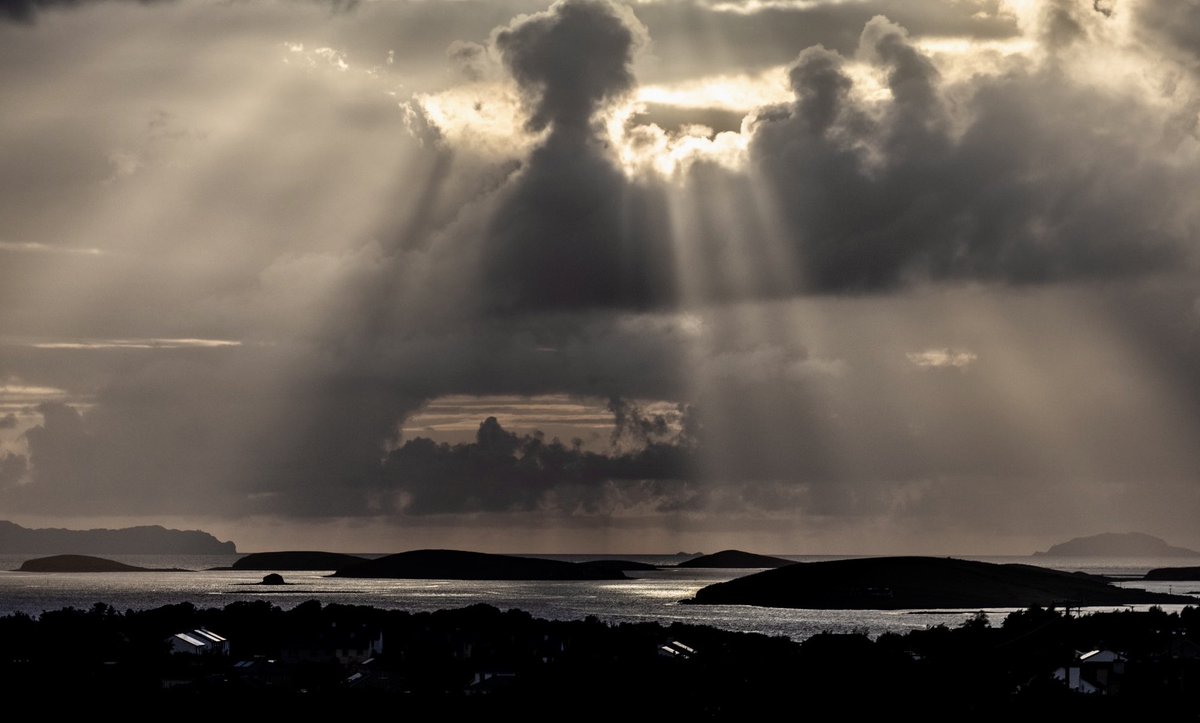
296,560
908,583
460,565
151,540
1174,573
1117,544
81,563
736,558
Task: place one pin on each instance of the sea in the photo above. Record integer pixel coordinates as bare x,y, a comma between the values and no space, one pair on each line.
647,596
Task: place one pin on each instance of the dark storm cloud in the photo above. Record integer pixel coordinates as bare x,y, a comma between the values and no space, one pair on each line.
504,472
1002,183
1041,185
572,231
571,60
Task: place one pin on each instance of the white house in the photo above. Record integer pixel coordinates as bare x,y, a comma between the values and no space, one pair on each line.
217,644
1097,671
186,643
199,641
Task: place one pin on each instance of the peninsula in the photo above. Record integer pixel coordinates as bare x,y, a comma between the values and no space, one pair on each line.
146,540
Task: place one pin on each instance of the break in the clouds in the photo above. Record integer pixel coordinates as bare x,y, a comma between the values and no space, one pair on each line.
794,275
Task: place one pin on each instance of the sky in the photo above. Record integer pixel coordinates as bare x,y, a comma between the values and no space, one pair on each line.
792,276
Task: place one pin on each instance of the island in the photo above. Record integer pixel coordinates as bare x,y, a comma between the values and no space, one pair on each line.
736,558
296,560
916,583
83,563
145,540
1172,574
463,565
1117,544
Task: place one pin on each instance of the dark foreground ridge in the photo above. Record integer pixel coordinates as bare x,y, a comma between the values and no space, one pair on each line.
914,583
1117,544
339,660
83,563
151,540
461,565
296,560
736,558
1168,574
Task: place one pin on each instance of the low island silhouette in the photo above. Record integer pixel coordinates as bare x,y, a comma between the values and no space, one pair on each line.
1117,544
916,583
1171,574
735,559
84,563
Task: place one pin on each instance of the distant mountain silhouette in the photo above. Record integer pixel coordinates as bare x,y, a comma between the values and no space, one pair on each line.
128,541
902,583
619,565
736,558
1174,573
1117,544
82,563
460,565
296,560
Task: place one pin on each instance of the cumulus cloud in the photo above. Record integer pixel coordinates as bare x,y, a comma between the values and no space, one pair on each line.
570,60
1001,192
572,231
504,472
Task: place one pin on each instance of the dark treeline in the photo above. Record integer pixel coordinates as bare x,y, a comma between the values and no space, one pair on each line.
481,659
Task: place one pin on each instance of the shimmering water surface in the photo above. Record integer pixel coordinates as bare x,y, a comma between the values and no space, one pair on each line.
647,596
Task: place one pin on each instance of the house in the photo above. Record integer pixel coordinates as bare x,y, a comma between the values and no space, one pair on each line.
217,644
199,641
186,643
1095,672
675,650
